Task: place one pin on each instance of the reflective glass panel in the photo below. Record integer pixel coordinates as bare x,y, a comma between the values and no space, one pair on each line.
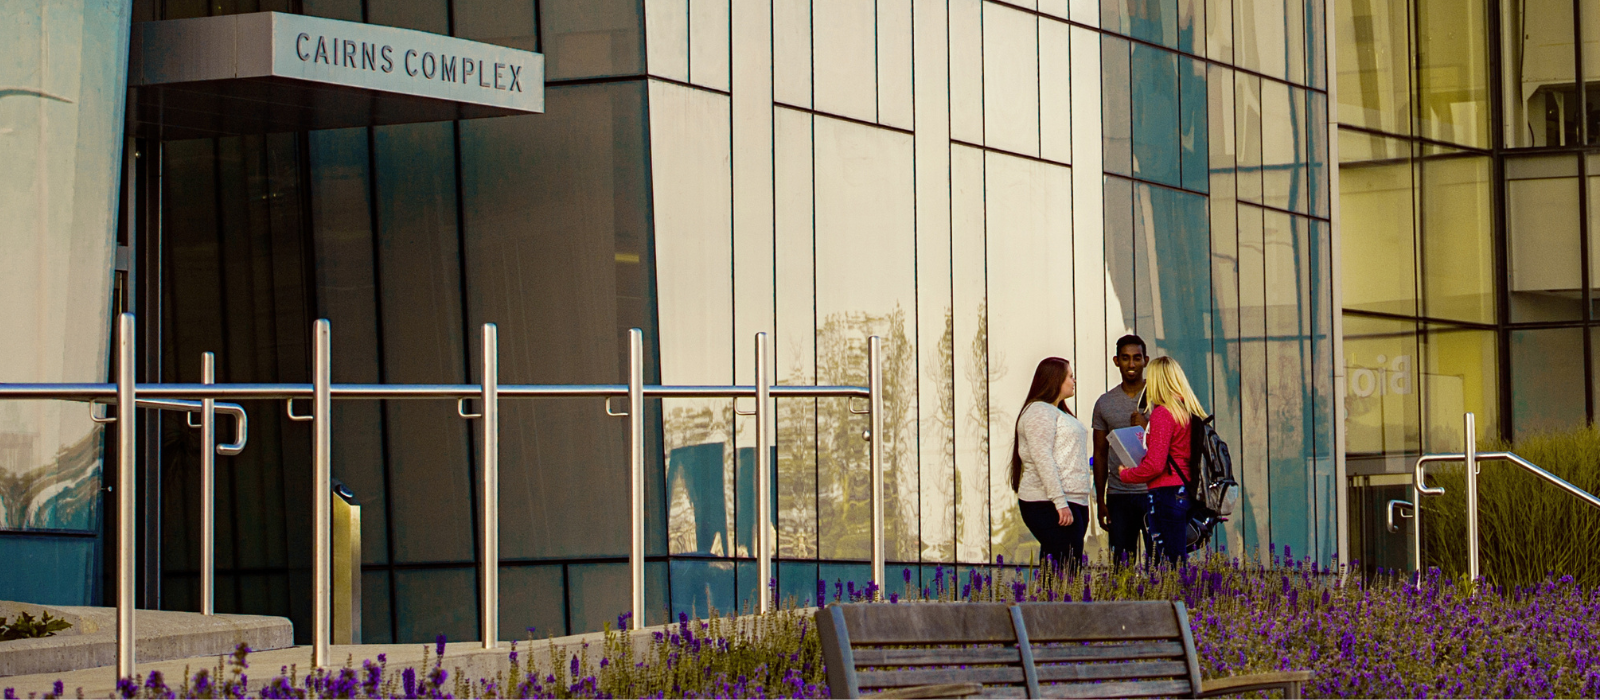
1156,134
1460,373
970,331
1541,99
1547,383
1377,224
1219,30
865,243
1254,520
1247,132
844,60
1010,79
692,184
1453,71
1458,268
794,348
1374,64
1542,221
1282,143
1261,42
966,70
1192,136
1029,206
667,38
1383,414
1289,276
1117,107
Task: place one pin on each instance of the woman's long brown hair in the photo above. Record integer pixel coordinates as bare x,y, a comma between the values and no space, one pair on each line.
1047,379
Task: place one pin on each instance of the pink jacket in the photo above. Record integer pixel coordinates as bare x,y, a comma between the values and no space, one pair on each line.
1163,437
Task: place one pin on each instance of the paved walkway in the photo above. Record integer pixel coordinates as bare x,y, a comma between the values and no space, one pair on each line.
469,658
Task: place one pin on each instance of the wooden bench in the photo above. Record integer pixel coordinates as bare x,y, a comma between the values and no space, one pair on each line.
1033,650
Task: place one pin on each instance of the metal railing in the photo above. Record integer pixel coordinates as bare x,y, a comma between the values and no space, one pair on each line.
322,391
1472,458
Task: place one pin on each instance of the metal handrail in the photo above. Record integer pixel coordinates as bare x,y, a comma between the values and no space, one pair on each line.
1472,458
322,391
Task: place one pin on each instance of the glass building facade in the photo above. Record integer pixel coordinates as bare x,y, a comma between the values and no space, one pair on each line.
1469,162
980,183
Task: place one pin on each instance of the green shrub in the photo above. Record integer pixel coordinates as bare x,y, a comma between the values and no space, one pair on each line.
28,628
1527,527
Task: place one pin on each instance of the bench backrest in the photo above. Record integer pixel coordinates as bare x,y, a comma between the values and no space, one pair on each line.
1128,649
1066,650
871,647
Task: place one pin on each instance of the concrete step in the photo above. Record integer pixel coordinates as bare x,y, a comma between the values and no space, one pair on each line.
160,634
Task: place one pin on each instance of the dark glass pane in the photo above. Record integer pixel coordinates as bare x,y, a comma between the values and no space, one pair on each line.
532,597
592,38
432,602
598,595
377,627
557,257
419,267
507,22
346,295
422,15
349,10
1547,383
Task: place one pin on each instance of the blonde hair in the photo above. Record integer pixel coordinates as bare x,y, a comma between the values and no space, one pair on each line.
1166,385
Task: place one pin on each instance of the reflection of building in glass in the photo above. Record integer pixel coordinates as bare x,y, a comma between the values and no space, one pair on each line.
1467,244
982,184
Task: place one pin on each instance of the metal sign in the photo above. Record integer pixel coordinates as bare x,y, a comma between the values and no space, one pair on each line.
339,53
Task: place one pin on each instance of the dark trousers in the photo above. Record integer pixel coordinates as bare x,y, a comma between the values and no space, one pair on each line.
1127,511
1169,523
1059,544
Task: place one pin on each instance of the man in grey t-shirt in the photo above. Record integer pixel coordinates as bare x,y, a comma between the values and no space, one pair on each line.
1122,506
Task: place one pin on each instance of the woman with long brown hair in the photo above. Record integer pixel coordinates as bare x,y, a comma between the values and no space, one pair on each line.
1050,466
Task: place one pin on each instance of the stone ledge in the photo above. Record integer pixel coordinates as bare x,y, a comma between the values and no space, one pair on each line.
161,635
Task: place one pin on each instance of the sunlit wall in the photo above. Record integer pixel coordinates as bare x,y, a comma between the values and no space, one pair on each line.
982,184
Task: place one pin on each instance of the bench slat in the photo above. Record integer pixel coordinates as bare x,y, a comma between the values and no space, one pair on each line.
1144,689
937,657
938,676
1108,621
929,623
1101,672
1109,652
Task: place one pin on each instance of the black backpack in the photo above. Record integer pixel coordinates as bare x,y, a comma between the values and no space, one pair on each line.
1210,486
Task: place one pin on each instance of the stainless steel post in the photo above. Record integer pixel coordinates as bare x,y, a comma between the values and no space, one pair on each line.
875,383
763,477
321,493
491,485
636,471
126,503
208,489
1470,431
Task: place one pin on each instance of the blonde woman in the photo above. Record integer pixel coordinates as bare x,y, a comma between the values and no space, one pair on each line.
1050,466
1167,459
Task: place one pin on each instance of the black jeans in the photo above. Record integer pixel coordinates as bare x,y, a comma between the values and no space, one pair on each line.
1060,544
1127,511
1169,523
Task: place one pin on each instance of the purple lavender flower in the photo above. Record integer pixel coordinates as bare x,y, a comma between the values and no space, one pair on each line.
438,645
